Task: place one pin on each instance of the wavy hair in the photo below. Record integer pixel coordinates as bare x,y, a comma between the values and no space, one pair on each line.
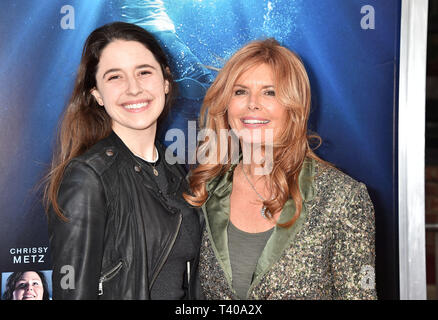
290,148
84,122
15,277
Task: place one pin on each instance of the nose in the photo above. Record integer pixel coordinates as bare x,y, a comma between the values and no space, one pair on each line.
29,287
134,87
253,102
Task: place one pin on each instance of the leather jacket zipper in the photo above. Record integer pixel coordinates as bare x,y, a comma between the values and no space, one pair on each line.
169,248
163,201
109,275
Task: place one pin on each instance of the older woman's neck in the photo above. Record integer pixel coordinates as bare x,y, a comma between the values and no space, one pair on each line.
258,161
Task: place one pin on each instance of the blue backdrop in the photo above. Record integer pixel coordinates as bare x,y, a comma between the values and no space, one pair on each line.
353,72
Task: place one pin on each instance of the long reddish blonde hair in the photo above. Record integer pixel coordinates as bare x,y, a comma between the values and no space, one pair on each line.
292,146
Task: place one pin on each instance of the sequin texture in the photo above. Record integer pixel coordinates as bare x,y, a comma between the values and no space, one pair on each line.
332,255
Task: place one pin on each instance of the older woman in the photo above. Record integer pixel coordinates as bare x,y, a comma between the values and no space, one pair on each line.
300,230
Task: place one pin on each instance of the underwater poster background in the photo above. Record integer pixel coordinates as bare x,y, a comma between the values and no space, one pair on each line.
350,49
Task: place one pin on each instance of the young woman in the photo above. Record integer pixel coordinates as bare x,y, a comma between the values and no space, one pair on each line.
118,225
290,226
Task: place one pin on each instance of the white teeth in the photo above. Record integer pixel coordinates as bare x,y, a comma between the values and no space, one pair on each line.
255,121
136,106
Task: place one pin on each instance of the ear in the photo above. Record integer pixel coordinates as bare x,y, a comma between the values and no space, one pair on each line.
97,96
166,86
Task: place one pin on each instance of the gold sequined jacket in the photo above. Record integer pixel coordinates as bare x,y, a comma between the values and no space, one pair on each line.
327,254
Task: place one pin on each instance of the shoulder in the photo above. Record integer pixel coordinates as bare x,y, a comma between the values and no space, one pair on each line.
83,179
99,158
342,196
331,181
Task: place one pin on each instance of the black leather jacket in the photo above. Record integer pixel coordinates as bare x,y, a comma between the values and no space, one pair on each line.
109,199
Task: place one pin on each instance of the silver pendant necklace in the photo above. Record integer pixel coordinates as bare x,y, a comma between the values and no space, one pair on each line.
264,211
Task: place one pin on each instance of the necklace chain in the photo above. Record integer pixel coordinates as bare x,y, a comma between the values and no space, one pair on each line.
264,211
152,164
153,161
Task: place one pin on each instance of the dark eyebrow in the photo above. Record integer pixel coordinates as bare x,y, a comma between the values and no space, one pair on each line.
137,67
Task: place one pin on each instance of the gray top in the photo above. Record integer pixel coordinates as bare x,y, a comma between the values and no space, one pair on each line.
245,249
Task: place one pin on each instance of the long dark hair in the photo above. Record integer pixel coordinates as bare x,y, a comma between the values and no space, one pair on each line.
84,122
15,277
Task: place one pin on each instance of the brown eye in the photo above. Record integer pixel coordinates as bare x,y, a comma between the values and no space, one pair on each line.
239,92
145,72
113,77
20,285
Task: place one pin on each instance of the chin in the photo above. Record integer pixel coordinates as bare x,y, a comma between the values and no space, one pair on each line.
255,142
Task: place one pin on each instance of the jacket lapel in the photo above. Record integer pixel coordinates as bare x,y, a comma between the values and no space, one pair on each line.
281,238
217,212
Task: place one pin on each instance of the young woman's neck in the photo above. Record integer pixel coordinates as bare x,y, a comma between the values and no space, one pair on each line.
140,142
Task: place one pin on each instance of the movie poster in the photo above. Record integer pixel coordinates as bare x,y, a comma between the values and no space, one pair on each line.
350,49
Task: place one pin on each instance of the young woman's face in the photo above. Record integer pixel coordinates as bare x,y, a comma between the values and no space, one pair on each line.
28,287
255,107
130,86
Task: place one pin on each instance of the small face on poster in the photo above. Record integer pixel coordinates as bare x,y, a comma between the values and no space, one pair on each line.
26,285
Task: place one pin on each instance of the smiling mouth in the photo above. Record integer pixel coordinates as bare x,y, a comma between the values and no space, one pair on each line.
28,296
255,121
135,106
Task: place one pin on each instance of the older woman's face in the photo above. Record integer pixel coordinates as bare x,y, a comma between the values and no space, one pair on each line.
28,287
254,108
